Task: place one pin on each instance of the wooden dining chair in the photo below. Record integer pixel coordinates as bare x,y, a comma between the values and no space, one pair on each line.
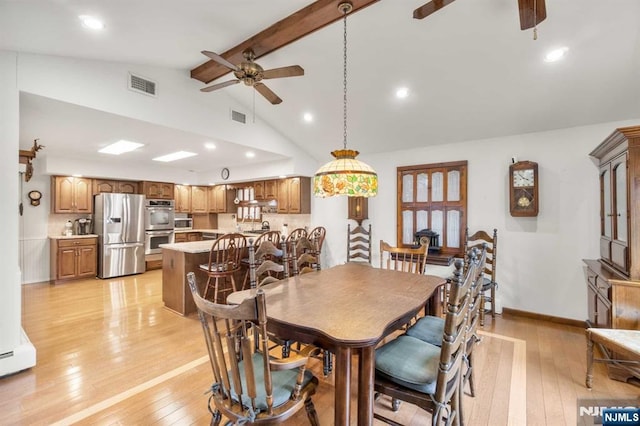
305,255
359,244
429,376
266,263
249,386
224,263
317,236
406,259
273,237
430,328
489,284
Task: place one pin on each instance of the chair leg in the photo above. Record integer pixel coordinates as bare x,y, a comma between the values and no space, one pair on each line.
493,301
469,375
395,404
216,417
215,291
589,379
311,412
482,303
206,288
327,362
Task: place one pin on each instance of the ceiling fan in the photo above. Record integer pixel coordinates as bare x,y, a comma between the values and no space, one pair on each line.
532,12
251,74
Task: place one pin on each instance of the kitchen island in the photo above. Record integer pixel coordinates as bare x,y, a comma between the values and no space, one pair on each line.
177,260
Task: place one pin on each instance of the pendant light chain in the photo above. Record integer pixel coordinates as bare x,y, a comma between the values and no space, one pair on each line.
345,11
535,20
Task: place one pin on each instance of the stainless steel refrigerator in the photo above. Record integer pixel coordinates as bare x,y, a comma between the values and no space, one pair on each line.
119,223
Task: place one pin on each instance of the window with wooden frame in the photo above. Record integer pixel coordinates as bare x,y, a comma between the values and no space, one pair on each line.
433,196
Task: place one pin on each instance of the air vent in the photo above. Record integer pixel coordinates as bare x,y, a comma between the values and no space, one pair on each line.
142,85
6,355
239,117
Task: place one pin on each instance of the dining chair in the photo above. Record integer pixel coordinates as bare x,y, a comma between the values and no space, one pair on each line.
271,236
489,282
406,259
263,265
249,386
317,236
358,244
224,262
411,370
430,328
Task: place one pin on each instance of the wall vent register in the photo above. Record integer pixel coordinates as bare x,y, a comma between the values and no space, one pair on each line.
142,85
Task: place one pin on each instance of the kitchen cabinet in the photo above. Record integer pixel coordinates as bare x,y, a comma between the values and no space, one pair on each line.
183,237
294,195
182,198
158,190
72,194
270,189
258,190
220,199
115,186
199,199
74,258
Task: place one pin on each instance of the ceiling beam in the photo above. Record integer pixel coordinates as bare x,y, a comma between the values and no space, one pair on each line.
301,23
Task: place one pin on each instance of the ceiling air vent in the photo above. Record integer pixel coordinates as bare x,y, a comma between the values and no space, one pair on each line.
239,117
142,85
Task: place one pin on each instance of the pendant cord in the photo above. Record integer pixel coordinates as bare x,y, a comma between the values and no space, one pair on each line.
345,79
535,20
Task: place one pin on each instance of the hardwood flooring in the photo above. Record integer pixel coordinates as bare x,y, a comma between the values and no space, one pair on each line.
108,352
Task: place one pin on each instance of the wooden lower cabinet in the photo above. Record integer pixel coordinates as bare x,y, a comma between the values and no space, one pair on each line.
74,258
183,237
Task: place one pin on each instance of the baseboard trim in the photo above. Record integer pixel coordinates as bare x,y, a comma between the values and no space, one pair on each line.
542,317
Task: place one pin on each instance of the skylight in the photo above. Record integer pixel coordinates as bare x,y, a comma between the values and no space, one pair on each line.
179,155
91,22
120,147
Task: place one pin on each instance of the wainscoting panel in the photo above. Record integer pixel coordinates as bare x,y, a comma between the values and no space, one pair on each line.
34,260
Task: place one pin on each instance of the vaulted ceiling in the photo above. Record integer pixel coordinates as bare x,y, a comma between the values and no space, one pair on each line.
470,71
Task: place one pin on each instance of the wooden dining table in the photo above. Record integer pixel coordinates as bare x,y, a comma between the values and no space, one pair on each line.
347,310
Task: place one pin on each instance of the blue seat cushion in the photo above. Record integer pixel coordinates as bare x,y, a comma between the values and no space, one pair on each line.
487,284
409,362
428,329
283,382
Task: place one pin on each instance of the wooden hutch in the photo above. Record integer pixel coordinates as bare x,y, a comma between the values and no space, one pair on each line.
613,281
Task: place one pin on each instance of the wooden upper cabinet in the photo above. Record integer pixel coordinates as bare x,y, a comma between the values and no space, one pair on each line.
294,195
258,190
199,199
115,186
270,189
218,199
158,190
72,194
182,198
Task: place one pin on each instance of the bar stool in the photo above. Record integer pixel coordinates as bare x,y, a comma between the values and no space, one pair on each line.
224,262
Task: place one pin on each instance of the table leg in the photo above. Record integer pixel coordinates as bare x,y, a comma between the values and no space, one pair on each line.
366,371
343,386
589,379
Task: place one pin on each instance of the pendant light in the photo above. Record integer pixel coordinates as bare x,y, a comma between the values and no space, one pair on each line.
345,175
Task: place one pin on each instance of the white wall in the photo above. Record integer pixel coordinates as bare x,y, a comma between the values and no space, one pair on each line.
539,264
10,282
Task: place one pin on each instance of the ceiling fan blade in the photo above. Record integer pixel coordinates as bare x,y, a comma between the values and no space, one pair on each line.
219,86
526,13
267,93
219,59
292,71
428,8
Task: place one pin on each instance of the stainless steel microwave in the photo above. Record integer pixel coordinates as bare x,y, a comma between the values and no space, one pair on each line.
183,223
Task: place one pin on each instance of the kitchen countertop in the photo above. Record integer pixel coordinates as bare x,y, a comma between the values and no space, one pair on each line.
208,231
65,237
189,247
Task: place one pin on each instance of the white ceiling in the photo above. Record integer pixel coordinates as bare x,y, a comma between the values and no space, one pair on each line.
471,72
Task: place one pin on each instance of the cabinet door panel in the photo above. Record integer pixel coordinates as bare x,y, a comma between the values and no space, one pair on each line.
619,255
83,195
128,187
86,260
66,263
270,189
283,196
100,186
198,199
63,188
294,195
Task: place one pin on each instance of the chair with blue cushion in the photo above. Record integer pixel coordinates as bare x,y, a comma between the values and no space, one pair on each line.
249,386
429,376
430,328
489,283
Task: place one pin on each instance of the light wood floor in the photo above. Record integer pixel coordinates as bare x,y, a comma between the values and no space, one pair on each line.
109,353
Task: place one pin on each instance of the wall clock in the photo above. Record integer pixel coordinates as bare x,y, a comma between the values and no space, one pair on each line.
523,189
225,173
34,197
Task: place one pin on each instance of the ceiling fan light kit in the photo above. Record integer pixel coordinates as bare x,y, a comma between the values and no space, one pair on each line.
345,175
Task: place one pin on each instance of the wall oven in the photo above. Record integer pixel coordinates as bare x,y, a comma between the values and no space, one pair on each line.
159,215
153,239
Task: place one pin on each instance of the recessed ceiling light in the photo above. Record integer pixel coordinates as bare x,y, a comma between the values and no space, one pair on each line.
175,156
307,117
91,22
556,54
402,92
210,145
120,147
250,154
76,175
283,176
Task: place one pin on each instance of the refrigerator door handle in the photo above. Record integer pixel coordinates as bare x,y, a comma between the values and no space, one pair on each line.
123,246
